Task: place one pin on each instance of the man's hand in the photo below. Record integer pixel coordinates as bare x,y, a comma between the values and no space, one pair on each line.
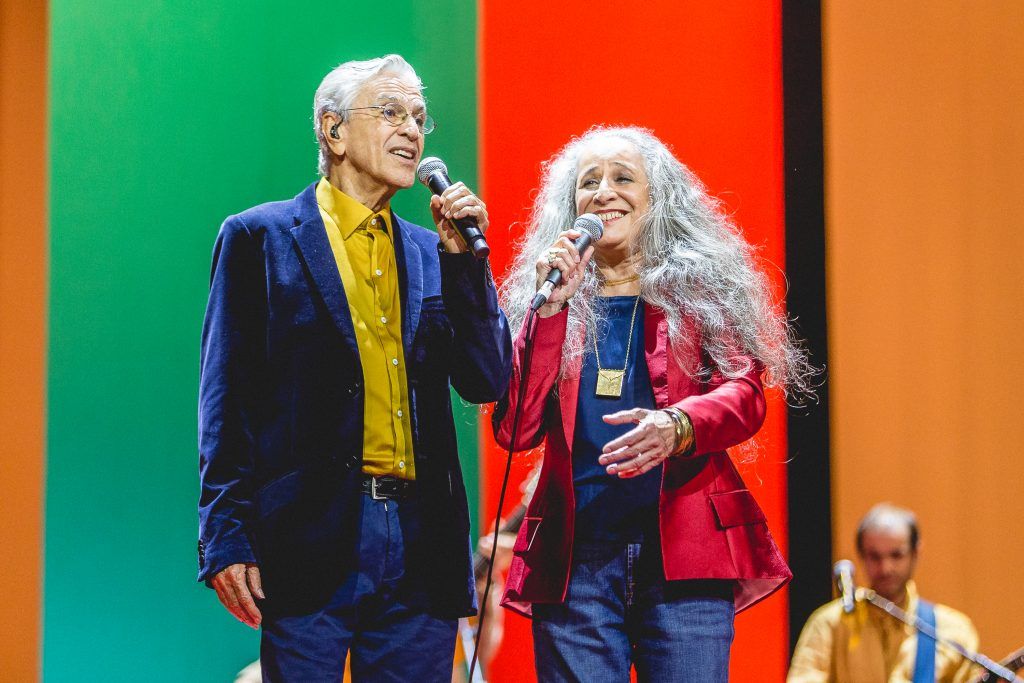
502,558
236,585
458,201
494,624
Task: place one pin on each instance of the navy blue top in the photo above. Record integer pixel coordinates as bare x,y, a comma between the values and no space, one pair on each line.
609,508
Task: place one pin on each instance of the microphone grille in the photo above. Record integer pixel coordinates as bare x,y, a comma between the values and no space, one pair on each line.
842,566
591,224
428,167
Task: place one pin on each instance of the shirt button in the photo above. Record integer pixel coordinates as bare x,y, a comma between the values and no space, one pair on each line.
399,413
394,361
384,319
379,272
373,222
401,464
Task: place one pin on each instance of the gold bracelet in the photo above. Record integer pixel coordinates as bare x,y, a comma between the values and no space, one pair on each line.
678,426
684,430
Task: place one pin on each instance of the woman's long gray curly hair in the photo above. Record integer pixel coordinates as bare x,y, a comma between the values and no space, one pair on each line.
692,261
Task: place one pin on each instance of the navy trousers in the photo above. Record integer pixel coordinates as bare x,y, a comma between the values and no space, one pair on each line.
378,615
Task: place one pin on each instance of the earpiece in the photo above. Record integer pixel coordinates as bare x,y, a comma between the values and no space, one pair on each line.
334,132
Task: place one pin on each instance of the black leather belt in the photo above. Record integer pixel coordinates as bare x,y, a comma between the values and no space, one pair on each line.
387,488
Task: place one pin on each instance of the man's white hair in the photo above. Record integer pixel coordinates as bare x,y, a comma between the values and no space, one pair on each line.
340,87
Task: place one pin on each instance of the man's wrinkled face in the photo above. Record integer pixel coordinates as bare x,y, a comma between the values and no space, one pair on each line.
382,153
888,560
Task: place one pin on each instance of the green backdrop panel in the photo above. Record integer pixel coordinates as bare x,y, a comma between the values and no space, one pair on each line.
165,118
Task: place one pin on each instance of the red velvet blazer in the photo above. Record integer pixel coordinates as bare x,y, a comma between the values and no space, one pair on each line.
711,526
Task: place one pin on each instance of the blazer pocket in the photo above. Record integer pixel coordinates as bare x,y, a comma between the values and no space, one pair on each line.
527,534
278,492
736,508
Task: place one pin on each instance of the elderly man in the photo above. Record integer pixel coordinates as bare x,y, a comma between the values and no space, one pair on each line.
333,511
868,645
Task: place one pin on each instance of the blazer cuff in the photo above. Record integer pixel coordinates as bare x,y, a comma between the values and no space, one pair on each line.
467,278
212,562
548,340
726,416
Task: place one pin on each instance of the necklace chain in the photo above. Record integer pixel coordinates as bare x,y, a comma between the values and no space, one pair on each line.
629,339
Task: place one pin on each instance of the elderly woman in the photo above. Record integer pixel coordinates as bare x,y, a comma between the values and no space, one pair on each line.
642,540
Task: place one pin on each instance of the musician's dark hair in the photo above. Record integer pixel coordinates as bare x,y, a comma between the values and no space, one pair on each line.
888,516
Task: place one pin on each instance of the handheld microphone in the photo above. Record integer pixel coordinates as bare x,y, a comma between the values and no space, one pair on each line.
842,574
591,229
434,174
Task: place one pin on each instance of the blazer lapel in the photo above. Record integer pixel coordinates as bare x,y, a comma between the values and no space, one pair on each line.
568,393
410,274
657,354
310,236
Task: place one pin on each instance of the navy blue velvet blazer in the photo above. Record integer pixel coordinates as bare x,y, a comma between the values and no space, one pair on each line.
281,402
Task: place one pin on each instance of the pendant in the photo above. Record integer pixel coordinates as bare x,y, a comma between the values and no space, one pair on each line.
609,383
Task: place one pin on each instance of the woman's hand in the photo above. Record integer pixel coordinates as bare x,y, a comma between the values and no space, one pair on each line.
458,201
642,448
564,256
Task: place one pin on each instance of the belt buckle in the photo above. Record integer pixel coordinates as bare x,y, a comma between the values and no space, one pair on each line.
373,490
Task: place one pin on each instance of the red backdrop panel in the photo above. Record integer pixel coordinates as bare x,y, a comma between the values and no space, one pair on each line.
707,79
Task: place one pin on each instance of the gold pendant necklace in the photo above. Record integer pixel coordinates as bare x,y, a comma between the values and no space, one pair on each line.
609,382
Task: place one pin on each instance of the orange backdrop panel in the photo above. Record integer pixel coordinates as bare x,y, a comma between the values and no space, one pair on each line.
23,238
924,140
706,78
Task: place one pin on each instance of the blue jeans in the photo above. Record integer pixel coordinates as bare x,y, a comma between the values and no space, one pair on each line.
378,614
620,611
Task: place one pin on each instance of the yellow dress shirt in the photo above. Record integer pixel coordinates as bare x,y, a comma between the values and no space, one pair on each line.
362,244
869,646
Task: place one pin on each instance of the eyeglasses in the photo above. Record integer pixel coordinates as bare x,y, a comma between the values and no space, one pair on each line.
396,115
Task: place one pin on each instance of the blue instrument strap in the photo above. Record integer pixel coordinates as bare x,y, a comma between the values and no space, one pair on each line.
924,660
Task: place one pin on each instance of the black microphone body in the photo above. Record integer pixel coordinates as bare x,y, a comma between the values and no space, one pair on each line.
591,228
433,173
842,573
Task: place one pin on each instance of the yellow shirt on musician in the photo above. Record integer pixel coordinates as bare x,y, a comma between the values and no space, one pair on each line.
869,646
363,247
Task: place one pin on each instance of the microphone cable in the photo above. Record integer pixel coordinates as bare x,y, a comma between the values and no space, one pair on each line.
520,395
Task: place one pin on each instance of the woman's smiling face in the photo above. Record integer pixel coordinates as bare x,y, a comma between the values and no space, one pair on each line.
611,181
